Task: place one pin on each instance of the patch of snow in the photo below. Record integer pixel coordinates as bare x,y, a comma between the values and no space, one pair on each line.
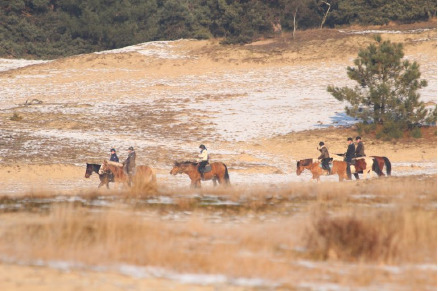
12,64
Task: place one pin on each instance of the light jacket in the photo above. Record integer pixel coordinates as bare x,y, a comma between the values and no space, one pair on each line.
203,156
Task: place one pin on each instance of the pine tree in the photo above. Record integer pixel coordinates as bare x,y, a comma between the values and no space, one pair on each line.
387,86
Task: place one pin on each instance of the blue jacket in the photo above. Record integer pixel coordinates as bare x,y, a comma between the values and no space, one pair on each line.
114,158
349,155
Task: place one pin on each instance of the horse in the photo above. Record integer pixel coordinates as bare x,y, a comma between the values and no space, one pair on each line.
365,165
219,172
339,168
143,175
380,163
104,178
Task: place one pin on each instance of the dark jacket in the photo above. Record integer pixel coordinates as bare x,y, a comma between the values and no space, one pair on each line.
114,158
349,155
130,162
324,153
360,150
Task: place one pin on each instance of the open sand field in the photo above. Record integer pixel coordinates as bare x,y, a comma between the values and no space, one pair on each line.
258,108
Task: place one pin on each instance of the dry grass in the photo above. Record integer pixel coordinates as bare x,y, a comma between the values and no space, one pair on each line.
266,236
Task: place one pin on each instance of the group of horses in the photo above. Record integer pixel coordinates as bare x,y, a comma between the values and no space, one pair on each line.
113,172
362,165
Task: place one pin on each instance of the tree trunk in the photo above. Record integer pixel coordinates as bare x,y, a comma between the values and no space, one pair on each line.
326,13
295,24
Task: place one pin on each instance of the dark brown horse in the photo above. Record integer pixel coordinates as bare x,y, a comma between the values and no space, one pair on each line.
144,175
105,178
339,168
219,172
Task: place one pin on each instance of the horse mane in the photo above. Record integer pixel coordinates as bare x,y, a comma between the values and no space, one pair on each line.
176,163
117,164
305,162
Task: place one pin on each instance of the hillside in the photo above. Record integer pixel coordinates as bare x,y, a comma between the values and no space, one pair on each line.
165,98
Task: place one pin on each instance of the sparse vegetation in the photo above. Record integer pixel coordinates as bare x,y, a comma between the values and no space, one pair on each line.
252,239
16,117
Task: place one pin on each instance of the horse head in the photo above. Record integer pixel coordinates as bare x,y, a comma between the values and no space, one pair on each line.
177,168
89,170
302,165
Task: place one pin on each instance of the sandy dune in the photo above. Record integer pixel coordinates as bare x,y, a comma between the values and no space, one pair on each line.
258,108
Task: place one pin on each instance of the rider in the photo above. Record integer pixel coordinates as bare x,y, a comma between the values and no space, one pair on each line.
349,155
129,164
114,157
203,159
324,157
360,149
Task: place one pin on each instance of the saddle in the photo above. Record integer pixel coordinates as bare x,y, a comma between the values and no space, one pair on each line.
206,169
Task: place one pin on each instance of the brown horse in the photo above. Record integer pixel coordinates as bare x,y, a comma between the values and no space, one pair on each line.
339,168
219,172
144,175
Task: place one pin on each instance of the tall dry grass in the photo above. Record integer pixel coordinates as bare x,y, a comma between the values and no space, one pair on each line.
386,221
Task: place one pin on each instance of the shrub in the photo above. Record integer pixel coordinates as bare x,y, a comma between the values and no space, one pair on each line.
416,132
390,130
16,117
350,238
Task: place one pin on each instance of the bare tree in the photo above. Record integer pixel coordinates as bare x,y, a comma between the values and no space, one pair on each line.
324,18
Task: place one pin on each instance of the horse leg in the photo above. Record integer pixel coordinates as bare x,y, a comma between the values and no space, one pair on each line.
215,181
356,175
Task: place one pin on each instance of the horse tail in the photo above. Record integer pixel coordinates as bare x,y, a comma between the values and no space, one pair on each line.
388,166
376,167
226,176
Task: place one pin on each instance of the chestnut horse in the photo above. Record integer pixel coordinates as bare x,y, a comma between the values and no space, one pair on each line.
219,172
104,178
144,175
339,168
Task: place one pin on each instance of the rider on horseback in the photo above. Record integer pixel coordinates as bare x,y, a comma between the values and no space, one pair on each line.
203,159
360,149
129,164
114,157
324,157
349,155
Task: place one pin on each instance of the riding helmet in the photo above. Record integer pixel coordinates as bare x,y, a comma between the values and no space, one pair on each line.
349,139
112,150
358,137
202,147
131,148
321,143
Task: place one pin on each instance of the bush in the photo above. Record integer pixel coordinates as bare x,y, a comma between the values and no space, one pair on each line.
390,130
350,238
416,132
16,117
365,128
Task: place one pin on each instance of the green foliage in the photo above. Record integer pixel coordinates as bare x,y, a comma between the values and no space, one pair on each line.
366,128
66,27
390,130
386,89
416,132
